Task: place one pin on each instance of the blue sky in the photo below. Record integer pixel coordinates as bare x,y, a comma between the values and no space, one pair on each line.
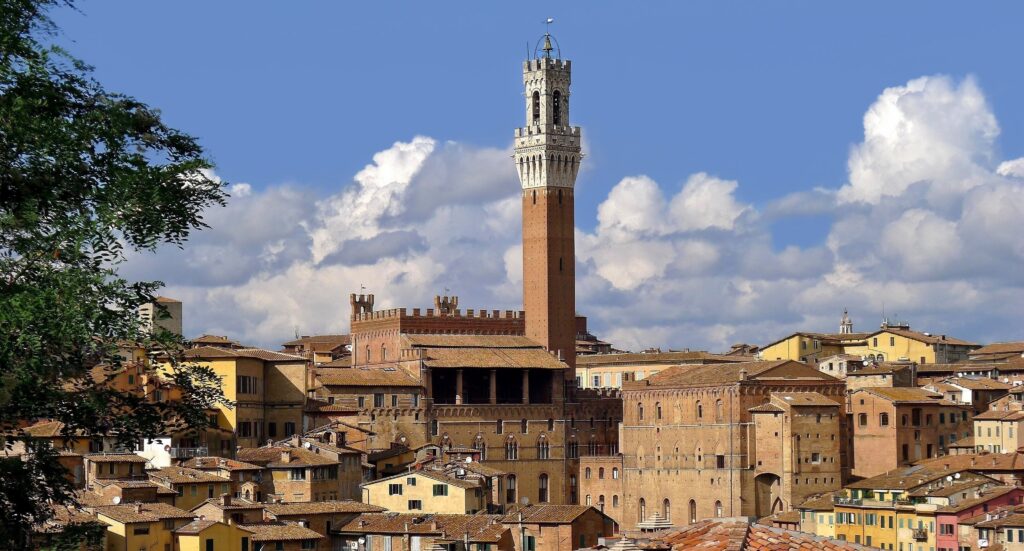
768,94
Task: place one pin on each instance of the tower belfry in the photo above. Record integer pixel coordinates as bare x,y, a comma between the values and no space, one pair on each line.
547,157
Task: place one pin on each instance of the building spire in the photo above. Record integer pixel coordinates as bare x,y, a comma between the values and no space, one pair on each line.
845,324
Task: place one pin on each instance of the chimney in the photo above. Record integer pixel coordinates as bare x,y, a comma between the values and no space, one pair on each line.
743,374
286,456
225,499
138,508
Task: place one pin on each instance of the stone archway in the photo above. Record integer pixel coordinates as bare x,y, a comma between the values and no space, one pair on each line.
767,494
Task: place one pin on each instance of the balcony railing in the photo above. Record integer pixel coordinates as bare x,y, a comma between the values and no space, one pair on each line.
920,534
840,500
185,453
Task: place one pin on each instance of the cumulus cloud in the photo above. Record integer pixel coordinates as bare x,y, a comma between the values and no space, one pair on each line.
926,226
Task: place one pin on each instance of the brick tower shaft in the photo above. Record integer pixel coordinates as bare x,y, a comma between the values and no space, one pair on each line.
547,155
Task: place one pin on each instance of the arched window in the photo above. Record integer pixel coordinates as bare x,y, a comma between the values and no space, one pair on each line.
600,473
511,450
588,499
510,493
367,354
586,473
542,489
497,426
693,511
615,500
883,419
642,510
718,509
524,426
657,410
719,414
551,425
700,410
666,509
480,446
383,352
536,107
640,411
600,502
543,449
556,104
433,427
615,473
534,197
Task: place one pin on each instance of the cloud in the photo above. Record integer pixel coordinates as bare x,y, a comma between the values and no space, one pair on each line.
926,226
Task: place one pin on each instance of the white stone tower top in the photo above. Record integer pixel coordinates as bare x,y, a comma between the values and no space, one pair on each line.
547,149
845,324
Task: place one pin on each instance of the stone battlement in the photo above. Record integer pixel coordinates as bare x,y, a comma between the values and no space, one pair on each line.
404,314
542,63
539,129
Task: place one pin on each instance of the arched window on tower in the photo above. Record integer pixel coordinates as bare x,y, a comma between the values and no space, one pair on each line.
642,510
383,352
367,353
666,509
536,108
556,105
542,490
693,511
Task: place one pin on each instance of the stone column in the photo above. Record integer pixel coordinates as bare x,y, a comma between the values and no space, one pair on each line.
458,386
494,386
526,386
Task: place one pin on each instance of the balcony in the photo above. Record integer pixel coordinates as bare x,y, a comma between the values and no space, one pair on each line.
920,534
839,500
186,453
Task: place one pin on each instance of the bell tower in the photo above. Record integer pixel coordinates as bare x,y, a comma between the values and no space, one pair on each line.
547,157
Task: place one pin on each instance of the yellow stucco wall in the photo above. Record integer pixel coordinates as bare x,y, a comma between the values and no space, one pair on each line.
458,501
225,538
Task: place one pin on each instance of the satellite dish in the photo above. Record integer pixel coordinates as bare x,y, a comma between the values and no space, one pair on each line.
307,445
949,479
525,501
957,476
117,500
361,541
469,460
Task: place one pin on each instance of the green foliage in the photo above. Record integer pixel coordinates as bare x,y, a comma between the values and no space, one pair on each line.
86,176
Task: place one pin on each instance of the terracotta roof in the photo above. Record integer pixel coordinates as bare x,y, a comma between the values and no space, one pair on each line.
491,358
805,399
115,458
45,429
433,475
999,348
978,383
548,514
738,533
165,299
213,339
922,337
984,497
631,358
280,531
980,462
210,352
63,517
824,337
142,512
308,340
469,341
235,505
786,517
345,361
320,507
185,475
766,407
211,462
481,528
271,457
197,526
907,395
998,414
1013,519
819,502
711,374
362,376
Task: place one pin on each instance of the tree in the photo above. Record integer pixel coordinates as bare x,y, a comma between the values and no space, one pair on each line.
86,175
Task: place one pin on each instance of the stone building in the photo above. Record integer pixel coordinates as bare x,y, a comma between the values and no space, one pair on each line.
739,439
611,370
893,427
501,382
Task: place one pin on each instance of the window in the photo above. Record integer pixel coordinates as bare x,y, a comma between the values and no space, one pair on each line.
209,544
573,450
700,410
615,473
657,410
272,430
308,544
642,508
297,474
396,489
140,530
497,426
378,400
383,352
640,411
542,489
543,449
862,419
524,426
415,505
556,105
289,428
440,490
510,492
394,400
883,419
596,381
245,384
693,511
874,342
719,413
536,108
362,402
551,425
434,429
600,473
245,429
892,341
718,508
615,500
719,461
511,450
586,473
815,458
